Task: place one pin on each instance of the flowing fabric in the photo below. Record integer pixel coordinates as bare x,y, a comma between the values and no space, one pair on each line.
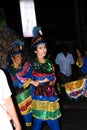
45,105
22,94
76,89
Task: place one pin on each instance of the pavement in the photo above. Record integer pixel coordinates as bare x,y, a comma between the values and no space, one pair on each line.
74,114
72,120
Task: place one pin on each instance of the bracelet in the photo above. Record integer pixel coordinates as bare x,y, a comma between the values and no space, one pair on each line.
79,65
26,84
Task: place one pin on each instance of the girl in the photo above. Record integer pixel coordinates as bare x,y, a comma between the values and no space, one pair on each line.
45,105
21,75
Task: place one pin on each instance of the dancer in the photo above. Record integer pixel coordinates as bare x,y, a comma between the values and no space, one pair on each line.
21,78
45,105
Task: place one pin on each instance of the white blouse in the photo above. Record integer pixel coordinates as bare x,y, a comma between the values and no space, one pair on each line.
5,92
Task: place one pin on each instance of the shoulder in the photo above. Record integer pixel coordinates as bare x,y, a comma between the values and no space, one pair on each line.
48,61
59,54
70,54
26,64
1,72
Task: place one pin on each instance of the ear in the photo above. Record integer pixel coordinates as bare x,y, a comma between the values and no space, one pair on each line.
35,52
12,58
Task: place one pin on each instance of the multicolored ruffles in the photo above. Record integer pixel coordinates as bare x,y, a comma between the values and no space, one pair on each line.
45,103
20,77
46,108
24,102
76,88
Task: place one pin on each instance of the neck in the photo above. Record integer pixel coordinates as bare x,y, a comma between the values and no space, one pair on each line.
41,60
17,66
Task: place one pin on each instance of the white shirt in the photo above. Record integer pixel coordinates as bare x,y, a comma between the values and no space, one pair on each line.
65,63
4,93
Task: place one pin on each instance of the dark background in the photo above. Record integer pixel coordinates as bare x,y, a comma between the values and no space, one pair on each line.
62,21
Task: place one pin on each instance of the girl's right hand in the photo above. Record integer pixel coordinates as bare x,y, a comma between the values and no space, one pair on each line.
35,83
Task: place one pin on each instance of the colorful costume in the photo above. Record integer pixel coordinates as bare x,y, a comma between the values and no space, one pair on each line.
45,106
76,89
21,78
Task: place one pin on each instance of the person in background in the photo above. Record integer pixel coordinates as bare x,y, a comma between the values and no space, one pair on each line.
8,112
81,61
45,105
21,75
65,62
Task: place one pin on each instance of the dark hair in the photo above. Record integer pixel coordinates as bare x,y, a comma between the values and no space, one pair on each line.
64,47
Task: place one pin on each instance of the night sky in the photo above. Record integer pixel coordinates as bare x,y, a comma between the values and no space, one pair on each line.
56,17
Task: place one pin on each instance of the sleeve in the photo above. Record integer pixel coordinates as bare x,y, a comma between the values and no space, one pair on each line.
24,80
54,74
72,59
6,92
58,58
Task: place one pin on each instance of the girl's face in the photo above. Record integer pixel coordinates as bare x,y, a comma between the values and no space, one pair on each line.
17,59
41,50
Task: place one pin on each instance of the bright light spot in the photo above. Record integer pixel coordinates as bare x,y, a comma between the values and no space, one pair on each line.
28,17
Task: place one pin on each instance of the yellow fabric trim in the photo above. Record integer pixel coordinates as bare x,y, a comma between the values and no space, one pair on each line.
49,118
28,124
27,100
45,105
26,84
26,112
79,65
74,85
23,104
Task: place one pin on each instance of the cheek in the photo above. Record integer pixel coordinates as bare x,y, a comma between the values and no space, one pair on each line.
45,51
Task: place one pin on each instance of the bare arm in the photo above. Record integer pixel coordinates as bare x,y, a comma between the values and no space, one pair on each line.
29,81
12,112
79,62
